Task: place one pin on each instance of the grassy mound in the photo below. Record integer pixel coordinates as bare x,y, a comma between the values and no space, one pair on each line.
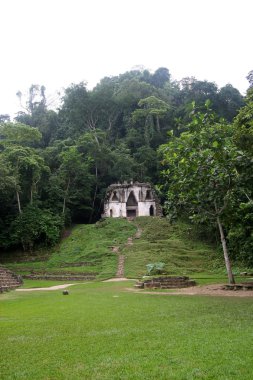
87,250
175,245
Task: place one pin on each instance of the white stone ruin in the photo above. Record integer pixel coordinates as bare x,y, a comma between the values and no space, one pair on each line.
131,200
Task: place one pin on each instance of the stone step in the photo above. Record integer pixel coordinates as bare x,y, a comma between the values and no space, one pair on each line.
8,280
6,276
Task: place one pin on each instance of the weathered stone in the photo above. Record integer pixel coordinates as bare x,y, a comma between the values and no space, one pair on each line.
9,280
59,277
131,200
139,285
170,282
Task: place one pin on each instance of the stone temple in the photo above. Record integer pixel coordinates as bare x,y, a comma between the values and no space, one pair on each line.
131,200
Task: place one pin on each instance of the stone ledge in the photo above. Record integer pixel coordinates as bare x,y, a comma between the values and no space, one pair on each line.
59,277
170,282
242,286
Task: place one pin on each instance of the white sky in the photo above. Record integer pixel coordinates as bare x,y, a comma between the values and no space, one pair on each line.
59,42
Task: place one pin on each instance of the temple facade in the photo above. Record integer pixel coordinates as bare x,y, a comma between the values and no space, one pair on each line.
131,200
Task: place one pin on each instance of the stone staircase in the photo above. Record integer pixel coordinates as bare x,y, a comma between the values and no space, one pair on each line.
8,280
121,263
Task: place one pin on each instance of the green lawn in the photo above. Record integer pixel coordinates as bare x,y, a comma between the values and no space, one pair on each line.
100,331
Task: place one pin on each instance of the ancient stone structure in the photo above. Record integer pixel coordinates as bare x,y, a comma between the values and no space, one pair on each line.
168,282
8,280
131,200
60,277
241,286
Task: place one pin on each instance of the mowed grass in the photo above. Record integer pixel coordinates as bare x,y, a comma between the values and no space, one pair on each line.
100,331
175,245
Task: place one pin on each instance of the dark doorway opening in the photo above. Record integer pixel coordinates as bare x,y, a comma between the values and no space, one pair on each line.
132,206
115,197
151,211
132,200
131,213
148,195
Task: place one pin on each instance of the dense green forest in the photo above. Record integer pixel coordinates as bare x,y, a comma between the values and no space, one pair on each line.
191,139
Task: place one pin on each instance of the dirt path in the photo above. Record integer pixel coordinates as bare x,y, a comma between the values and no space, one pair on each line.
120,270
138,233
119,279
56,287
121,258
207,290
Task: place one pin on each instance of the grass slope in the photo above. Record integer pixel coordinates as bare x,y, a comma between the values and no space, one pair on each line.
174,245
91,245
102,332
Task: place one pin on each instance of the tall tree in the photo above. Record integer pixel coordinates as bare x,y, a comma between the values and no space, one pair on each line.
151,111
230,101
35,113
200,173
160,77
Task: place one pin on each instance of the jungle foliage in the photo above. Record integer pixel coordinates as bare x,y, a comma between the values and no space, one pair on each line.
55,165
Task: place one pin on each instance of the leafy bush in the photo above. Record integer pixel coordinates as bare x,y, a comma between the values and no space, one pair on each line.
155,268
34,226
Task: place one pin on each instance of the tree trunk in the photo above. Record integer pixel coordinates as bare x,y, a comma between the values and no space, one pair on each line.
18,200
95,195
158,124
64,199
231,279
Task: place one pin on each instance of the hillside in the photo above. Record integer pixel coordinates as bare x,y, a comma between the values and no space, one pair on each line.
89,250
175,245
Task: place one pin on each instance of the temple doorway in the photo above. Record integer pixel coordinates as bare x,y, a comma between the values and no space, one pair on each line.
131,206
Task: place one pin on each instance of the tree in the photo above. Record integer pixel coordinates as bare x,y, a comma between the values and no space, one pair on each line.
244,125
74,111
152,110
24,163
160,77
72,181
230,102
4,118
240,219
35,225
18,134
36,114
250,78
200,173
26,168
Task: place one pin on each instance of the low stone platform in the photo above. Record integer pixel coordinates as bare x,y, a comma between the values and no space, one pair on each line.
169,282
59,277
242,286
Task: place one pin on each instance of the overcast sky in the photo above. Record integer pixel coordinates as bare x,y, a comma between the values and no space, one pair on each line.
59,42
